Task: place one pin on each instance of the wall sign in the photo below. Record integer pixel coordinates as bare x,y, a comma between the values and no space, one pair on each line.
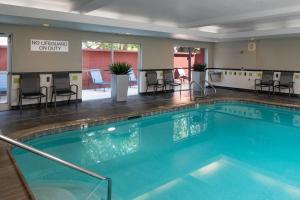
49,45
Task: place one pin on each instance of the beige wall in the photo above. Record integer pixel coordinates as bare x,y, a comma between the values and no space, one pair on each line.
233,55
278,53
156,52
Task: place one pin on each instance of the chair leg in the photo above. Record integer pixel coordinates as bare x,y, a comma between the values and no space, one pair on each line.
76,99
20,104
180,90
55,100
40,101
146,88
69,100
46,102
155,89
51,98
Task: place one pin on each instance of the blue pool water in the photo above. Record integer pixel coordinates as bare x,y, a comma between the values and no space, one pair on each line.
224,151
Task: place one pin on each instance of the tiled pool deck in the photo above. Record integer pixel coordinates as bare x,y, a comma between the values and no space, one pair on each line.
33,121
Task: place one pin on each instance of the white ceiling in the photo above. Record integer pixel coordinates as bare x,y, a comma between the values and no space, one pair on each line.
213,20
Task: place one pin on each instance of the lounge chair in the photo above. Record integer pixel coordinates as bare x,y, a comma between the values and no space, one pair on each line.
266,81
182,75
286,82
152,81
97,78
132,78
3,82
30,89
169,80
62,87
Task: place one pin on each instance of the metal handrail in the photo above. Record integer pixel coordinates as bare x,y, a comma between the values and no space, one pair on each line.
58,160
212,86
201,88
190,88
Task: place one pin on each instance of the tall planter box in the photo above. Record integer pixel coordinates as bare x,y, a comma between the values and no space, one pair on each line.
198,77
119,87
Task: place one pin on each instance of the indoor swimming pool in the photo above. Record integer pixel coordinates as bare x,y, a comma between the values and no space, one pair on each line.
226,150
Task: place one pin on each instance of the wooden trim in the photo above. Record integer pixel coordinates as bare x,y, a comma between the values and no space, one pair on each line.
259,70
53,72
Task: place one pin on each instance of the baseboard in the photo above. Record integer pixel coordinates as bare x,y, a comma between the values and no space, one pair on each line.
158,92
249,90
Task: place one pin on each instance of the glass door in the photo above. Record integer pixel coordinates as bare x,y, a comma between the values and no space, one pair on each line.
4,71
96,59
183,61
128,53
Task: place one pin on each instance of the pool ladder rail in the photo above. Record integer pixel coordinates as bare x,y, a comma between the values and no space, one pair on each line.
203,92
60,161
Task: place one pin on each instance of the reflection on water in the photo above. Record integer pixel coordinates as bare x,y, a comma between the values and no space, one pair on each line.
106,144
241,111
189,124
279,116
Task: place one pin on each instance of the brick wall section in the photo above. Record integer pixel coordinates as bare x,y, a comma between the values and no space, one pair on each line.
3,58
181,60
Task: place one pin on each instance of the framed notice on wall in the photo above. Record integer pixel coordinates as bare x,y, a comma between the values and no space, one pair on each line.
49,45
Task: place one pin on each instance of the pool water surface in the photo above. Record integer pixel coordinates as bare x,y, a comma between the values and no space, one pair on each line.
222,151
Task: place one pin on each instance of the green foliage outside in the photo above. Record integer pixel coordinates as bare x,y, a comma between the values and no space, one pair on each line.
109,46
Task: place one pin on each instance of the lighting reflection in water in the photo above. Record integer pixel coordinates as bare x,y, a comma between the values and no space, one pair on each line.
189,124
101,145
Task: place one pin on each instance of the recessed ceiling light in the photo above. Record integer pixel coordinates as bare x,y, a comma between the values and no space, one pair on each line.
210,29
46,25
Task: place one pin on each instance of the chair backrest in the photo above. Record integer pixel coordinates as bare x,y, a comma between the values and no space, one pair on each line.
181,72
96,76
168,76
267,76
132,76
61,81
30,83
3,81
151,77
286,77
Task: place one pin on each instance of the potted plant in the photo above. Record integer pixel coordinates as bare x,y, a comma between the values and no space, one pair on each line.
119,80
198,75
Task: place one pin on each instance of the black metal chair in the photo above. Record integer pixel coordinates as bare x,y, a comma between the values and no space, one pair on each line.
30,88
62,87
152,81
169,80
266,81
286,82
